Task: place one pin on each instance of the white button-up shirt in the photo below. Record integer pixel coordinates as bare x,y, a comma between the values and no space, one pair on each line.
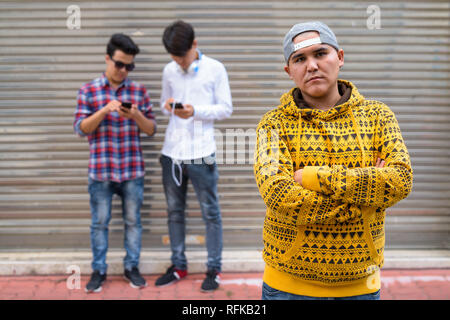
206,88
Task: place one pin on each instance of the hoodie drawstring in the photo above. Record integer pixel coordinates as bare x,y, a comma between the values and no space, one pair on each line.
299,136
358,136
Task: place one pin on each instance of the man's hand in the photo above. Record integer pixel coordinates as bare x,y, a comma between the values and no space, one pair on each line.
298,174
146,125
113,105
185,113
129,113
380,163
168,104
91,123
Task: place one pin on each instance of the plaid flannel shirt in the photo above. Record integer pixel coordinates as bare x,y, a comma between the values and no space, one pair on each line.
115,148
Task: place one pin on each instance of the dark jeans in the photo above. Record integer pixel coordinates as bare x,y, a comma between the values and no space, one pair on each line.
269,293
204,177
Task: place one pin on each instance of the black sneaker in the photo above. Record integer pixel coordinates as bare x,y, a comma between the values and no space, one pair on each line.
95,284
134,277
172,275
211,281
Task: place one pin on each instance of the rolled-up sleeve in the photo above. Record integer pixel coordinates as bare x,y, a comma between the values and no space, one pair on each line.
147,106
82,112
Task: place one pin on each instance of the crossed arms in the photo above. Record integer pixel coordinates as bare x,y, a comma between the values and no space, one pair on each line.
331,193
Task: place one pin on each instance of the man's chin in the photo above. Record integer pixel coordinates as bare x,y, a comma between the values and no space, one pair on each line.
315,91
119,79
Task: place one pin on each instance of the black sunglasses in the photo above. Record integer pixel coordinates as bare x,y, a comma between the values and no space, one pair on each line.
119,65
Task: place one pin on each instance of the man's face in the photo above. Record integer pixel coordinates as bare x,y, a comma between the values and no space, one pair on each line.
315,69
112,71
185,61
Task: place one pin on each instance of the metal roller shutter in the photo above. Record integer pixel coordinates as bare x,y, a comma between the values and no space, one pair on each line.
44,202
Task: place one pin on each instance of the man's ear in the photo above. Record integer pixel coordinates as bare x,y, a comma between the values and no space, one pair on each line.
340,54
194,44
288,71
107,58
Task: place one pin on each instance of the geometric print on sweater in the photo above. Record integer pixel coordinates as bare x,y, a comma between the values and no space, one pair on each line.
331,228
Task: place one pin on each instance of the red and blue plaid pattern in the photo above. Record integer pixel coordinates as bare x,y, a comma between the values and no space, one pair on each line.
115,148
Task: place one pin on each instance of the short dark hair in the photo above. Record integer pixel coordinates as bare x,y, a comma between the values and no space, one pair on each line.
122,42
178,38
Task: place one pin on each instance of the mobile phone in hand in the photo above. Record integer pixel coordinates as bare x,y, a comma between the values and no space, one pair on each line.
177,105
126,105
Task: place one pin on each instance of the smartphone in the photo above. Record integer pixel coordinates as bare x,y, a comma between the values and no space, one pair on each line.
126,105
177,105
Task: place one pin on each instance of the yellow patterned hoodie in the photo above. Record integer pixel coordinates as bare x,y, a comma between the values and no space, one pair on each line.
325,238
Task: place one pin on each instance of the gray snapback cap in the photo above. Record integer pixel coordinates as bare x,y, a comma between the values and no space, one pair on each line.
326,36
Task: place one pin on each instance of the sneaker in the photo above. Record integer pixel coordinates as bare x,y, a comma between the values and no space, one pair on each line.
172,275
134,277
211,281
95,284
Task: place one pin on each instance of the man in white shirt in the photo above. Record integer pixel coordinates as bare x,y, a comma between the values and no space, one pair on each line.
200,84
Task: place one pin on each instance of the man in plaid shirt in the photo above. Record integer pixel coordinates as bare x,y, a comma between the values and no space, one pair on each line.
112,111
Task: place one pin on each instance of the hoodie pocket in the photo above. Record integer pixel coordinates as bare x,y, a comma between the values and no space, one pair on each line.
281,240
369,216
295,245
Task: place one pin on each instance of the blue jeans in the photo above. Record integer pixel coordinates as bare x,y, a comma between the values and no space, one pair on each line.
204,177
101,193
269,293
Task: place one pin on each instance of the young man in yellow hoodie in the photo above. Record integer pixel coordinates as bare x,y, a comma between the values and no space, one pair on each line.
328,163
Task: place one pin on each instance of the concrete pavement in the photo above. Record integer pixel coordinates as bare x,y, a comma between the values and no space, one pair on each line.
407,275
397,284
